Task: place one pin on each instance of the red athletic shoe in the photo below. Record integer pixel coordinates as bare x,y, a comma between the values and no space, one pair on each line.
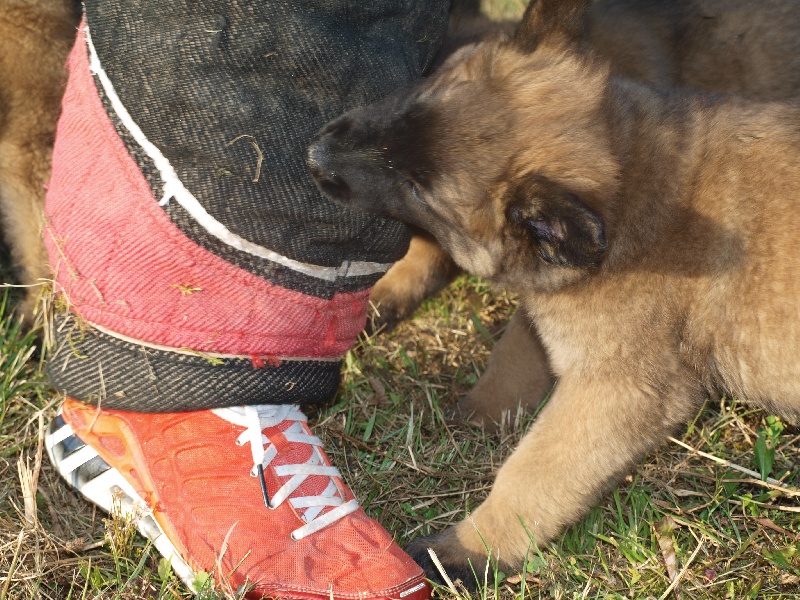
288,526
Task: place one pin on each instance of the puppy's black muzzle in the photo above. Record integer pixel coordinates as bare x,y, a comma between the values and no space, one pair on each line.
322,165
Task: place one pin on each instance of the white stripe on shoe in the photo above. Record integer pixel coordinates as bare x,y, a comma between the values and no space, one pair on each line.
103,489
174,188
59,435
76,459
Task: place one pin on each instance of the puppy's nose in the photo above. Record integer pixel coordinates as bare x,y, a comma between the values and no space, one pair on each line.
318,157
320,162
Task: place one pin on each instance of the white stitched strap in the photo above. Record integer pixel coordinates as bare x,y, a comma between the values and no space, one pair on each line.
303,438
299,474
306,469
314,501
174,188
315,504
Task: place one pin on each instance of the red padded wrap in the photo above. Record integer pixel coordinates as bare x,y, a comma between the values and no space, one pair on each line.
123,265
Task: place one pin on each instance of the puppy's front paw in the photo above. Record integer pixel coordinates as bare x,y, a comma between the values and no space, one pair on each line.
457,561
424,271
388,311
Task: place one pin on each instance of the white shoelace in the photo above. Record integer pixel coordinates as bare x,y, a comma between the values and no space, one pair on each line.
257,418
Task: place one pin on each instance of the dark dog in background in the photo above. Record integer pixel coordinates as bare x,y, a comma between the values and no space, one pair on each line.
649,233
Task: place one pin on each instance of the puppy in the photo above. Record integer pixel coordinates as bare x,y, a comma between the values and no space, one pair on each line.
650,235
747,47
35,38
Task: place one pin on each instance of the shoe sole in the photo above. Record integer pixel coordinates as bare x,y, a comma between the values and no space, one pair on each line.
100,483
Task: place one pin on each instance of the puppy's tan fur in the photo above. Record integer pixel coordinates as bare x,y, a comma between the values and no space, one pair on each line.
747,47
650,234
35,37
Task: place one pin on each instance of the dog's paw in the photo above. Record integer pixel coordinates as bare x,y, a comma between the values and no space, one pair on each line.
424,271
476,410
388,311
397,295
459,563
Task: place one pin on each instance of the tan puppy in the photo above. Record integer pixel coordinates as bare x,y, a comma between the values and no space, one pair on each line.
748,47
651,236
35,37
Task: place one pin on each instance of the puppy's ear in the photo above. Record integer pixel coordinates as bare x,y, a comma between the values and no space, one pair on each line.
561,228
563,21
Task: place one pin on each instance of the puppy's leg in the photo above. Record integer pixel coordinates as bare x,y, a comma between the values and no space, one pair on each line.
589,435
424,270
517,374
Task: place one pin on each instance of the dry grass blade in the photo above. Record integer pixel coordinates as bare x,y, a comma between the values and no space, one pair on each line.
770,524
29,479
732,465
13,566
680,575
442,572
666,543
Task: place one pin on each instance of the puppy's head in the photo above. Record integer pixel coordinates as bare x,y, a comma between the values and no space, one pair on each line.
500,154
